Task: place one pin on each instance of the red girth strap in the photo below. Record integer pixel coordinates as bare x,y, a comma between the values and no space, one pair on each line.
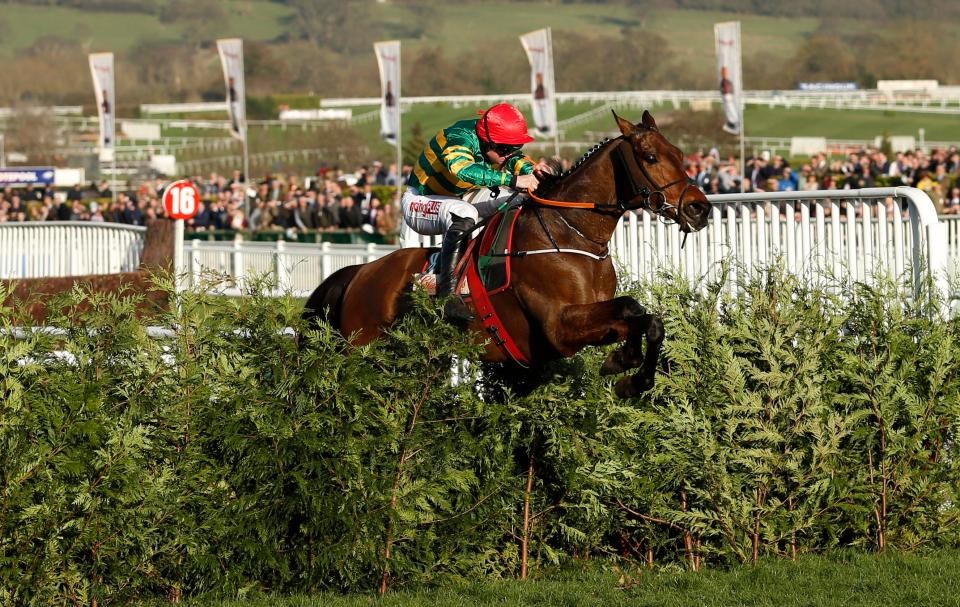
488,316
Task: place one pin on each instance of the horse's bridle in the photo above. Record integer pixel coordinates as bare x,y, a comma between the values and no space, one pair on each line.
642,196
654,200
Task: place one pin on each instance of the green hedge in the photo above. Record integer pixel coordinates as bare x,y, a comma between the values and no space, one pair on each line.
222,464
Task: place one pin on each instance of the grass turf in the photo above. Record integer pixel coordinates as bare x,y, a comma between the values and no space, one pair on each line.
844,580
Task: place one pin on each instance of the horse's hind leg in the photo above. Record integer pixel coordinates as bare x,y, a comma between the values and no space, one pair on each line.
619,319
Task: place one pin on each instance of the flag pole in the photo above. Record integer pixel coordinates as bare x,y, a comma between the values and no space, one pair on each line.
113,177
399,130
743,126
399,164
246,171
113,143
553,94
246,142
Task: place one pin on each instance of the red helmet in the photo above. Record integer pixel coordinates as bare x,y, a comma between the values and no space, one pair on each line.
503,123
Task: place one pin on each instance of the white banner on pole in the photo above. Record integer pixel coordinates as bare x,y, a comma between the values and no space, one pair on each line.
231,58
539,47
388,60
101,68
727,36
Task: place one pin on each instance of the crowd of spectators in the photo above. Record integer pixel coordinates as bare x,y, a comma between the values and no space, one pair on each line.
335,200
331,200
937,173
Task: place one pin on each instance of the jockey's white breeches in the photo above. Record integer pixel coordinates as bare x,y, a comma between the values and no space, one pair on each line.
432,215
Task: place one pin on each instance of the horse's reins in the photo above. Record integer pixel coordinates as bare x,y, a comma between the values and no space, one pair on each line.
556,248
643,198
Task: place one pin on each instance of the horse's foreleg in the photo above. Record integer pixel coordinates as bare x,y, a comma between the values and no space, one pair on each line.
632,354
629,356
619,319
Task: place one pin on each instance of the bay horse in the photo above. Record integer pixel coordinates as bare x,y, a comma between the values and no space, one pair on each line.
562,300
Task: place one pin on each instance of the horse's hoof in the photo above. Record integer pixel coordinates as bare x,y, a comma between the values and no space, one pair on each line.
633,386
613,364
619,361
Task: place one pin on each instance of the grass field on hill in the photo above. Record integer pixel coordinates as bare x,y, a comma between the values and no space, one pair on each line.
760,122
849,124
833,124
458,27
850,580
119,31
442,25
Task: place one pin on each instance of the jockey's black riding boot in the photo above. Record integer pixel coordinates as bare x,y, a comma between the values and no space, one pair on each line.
454,244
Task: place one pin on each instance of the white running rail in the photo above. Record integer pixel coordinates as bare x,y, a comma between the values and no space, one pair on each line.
825,236
68,248
841,234
844,234
294,268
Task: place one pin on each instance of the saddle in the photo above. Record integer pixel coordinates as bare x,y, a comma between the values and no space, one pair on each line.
483,272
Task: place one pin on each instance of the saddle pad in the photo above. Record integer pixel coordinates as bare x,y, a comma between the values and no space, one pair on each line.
490,320
493,260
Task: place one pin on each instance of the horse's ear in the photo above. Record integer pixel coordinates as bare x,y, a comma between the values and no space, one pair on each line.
626,127
648,122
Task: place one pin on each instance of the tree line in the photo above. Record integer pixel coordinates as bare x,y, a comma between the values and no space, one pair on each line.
854,8
54,70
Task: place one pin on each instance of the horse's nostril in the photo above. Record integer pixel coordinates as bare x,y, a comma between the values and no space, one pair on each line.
699,208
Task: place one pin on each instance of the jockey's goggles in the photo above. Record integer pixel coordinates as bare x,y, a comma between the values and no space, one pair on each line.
505,149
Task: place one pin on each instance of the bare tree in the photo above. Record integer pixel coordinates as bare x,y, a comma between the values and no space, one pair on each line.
32,131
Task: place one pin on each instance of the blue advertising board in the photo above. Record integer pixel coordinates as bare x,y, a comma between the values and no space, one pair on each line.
828,86
26,176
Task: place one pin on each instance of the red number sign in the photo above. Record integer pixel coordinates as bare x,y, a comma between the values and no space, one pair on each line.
181,199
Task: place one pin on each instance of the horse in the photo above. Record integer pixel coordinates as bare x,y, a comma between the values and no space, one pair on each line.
562,293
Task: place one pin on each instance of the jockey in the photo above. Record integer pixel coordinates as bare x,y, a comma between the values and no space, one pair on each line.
466,156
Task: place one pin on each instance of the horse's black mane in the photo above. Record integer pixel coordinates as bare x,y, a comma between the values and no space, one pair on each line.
558,173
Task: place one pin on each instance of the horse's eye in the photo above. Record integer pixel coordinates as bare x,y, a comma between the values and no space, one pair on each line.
650,158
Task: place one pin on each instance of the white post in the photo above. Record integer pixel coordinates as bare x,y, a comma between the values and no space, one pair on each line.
326,264
238,277
75,252
280,268
937,263
194,263
178,256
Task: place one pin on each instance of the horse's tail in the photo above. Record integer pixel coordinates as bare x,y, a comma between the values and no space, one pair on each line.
326,302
